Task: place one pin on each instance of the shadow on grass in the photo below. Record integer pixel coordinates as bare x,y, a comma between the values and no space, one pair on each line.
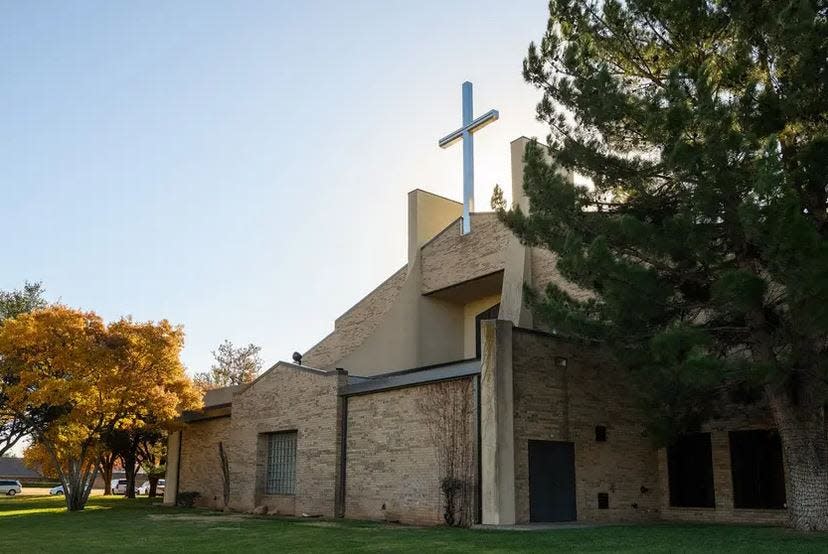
115,524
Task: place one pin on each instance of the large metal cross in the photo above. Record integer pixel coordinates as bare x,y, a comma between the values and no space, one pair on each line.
465,133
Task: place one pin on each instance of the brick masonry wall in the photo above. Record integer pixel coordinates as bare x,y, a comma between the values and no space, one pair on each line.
392,470
287,398
451,258
600,395
734,418
200,466
355,325
545,270
565,404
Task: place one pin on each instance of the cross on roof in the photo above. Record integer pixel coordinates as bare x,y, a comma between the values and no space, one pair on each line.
465,133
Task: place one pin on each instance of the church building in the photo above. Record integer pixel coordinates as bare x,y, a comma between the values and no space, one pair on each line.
439,396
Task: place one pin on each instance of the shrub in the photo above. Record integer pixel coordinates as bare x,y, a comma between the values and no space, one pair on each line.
454,491
186,499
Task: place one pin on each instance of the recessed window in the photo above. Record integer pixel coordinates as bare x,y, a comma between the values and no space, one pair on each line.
756,466
690,472
281,463
600,433
603,501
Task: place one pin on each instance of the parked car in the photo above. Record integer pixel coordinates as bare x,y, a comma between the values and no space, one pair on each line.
145,488
10,488
58,490
120,486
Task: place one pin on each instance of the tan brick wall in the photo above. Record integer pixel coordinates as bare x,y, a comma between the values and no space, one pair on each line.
287,398
601,395
392,468
200,468
545,270
451,258
355,325
565,404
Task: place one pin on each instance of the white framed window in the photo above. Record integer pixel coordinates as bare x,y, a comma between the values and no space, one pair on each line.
280,477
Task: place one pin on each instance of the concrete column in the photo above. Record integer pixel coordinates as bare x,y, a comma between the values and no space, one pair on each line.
497,456
516,149
428,214
171,477
517,273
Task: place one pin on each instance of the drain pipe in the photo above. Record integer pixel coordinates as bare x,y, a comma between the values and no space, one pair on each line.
343,453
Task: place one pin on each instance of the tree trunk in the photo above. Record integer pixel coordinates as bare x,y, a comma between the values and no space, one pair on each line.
107,463
153,488
805,452
77,484
129,470
225,474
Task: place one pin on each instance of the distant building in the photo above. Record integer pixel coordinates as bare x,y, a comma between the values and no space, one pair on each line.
14,468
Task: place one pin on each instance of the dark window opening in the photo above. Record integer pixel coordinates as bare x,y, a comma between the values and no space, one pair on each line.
756,466
690,472
600,433
603,501
491,313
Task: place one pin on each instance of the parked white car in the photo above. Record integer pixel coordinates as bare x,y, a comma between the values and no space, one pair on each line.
58,490
10,488
119,487
145,488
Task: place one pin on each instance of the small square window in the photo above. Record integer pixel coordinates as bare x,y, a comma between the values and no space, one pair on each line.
600,433
603,501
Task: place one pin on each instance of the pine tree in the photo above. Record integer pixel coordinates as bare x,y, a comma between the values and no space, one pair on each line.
703,128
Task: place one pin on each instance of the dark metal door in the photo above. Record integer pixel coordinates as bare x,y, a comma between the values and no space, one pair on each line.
551,481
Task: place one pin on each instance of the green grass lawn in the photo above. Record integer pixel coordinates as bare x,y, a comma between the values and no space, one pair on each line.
115,524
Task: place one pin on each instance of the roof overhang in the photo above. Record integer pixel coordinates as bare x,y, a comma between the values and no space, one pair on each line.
211,412
411,377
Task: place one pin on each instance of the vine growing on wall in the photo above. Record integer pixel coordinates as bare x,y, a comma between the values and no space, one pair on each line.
448,411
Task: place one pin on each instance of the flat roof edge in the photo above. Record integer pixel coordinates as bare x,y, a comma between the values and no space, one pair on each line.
466,368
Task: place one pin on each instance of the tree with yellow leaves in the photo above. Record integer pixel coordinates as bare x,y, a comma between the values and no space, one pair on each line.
77,379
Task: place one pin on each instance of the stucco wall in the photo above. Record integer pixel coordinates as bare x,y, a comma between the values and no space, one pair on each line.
200,468
552,402
428,214
287,398
392,467
355,325
470,312
452,258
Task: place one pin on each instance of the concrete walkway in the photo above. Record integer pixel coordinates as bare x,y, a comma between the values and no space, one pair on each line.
542,526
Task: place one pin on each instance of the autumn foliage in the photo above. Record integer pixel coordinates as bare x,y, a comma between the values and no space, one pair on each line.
76,379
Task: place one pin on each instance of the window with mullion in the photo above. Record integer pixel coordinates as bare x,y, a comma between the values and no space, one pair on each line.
281,463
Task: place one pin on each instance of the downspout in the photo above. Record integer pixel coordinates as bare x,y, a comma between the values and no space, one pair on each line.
343,451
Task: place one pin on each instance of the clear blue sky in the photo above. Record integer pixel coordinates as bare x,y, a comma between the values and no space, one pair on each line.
241,168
